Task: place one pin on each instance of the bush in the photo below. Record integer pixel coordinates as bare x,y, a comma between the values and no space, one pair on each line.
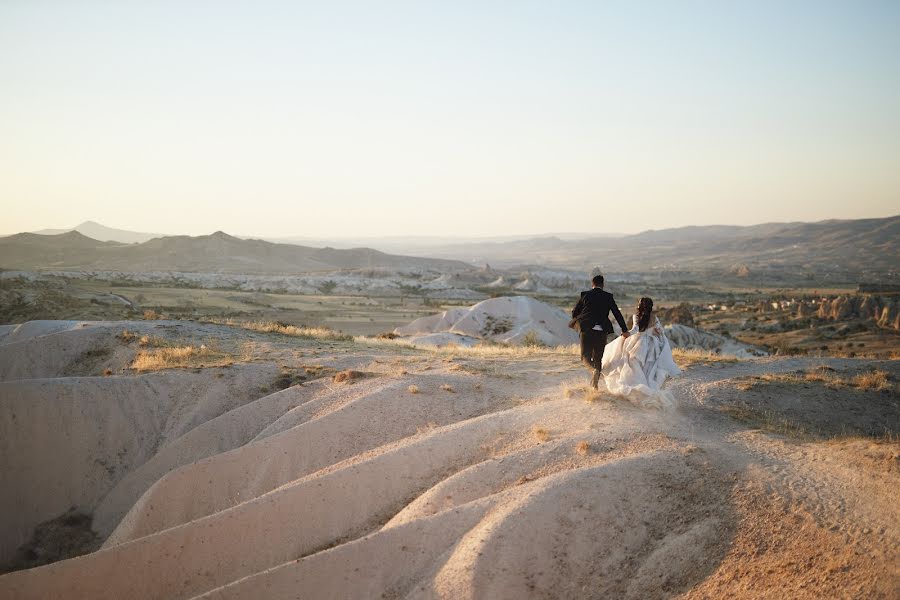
531,339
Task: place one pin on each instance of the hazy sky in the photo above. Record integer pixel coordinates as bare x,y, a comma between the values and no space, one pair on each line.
453,118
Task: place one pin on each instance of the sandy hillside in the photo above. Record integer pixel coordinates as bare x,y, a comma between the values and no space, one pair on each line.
187,460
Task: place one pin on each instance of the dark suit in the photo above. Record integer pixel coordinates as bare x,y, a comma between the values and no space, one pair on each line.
592,309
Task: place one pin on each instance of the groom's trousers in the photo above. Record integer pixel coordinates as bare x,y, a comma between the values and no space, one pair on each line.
593,343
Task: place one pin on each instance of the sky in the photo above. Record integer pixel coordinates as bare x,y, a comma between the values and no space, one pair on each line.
463,118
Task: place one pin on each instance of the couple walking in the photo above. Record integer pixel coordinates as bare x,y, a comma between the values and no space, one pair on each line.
638,361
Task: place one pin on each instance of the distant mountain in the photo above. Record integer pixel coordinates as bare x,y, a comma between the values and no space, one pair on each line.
863,245
218,252
95,230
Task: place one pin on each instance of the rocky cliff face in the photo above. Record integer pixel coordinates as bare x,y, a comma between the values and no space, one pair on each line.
884,310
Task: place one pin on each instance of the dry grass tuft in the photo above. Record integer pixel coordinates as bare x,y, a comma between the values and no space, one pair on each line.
127,336
312,333
482,350
689,357
156,359
347,376
876,380
151,315
107,372
413,389
540,433
583,448
447,387
584,392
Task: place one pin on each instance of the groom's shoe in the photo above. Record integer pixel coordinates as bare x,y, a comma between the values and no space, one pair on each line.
595,379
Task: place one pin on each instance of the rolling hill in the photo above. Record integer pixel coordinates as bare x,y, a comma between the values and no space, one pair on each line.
97,231
863,245
218,252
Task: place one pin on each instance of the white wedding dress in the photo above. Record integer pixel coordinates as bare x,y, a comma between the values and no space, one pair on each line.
637,366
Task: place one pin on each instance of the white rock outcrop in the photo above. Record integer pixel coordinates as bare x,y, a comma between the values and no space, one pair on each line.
682,336
508,320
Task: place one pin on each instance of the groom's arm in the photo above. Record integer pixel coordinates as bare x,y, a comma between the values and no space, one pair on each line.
618,315
578,306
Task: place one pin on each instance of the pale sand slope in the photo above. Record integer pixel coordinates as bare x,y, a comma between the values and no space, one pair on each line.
491,480
66,442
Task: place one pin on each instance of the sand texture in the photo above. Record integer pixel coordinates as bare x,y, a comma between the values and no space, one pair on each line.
434,473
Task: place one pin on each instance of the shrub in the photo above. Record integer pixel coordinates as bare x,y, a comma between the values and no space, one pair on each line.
532,340
540,433
347,376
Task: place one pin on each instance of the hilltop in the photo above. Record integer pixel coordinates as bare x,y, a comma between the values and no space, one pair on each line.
218,252
858,247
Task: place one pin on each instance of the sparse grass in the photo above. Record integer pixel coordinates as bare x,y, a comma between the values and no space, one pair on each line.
150,341
583,448
768,420
532,340
482,350
689,357
317,370
127,336
875,380
413,389
500,350
151,315
179,357
447,388
540,433
773,421
312,333
479,370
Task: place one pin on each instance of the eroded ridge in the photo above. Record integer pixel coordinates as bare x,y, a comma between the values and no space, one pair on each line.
460,473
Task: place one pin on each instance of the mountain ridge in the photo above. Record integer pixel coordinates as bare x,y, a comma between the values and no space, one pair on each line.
217,252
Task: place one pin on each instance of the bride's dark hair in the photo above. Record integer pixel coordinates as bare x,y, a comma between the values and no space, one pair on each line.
644,308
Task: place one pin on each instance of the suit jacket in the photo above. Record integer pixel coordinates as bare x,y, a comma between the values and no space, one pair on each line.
593,308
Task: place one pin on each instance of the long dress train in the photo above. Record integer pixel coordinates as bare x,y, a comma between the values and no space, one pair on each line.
636,367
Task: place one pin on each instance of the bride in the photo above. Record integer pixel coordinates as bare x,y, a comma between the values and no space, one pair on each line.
638,365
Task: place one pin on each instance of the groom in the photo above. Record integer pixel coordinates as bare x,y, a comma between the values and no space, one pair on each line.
591,319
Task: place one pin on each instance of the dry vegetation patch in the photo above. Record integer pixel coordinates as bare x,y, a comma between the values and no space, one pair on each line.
689,357
540,433
179,357
819,403
312,333
347,376
871,380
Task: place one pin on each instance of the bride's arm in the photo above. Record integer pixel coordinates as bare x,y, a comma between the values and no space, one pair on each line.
634,325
